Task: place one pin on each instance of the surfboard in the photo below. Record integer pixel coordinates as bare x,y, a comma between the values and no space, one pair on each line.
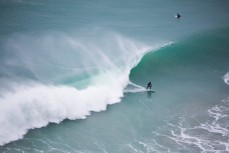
150,91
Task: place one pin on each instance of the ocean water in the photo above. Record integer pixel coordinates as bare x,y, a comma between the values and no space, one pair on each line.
73,76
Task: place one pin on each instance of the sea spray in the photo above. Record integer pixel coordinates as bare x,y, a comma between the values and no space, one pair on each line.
51,57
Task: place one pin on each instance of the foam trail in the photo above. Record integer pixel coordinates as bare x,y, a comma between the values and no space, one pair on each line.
134,88
211,135
226,78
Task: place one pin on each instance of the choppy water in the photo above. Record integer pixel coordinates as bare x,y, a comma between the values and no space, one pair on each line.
73,76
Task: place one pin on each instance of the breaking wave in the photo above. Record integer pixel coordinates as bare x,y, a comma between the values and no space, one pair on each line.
35,102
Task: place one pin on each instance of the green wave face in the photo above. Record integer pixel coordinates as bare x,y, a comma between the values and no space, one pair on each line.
187,67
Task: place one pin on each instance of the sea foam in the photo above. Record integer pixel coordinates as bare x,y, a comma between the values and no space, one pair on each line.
37,105
226,78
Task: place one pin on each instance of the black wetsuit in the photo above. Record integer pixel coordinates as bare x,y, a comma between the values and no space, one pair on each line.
149,85
178,15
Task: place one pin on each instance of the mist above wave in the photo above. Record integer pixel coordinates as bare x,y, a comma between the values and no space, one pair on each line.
53,56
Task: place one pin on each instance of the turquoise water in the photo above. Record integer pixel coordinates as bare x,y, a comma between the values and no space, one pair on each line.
73,76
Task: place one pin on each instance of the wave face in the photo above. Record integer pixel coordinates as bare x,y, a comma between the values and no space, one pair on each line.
191,112
42,91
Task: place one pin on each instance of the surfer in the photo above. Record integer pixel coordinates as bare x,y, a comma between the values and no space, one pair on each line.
149,85
178,15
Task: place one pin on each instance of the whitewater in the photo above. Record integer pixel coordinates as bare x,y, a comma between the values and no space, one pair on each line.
226,78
